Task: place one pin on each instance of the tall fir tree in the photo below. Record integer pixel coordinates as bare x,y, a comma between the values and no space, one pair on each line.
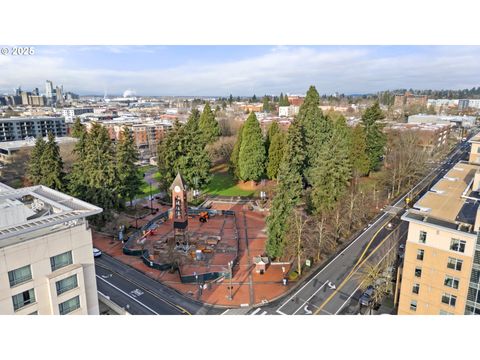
273,129
77,176
52,165
234,168
127,156
183,150
331,172
317,129
193,163
275,154
35,170
251,159
374,135
358,154
208,125
169,150
101,178
78,128
289,190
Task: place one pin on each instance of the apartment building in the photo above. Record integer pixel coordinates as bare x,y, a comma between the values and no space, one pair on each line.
441,270
409,99
20,128
46,256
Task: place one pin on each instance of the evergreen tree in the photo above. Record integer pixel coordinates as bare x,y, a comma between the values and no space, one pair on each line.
273,129
275,154
127,156
183,150
317,129
251,159
266,104
35,171
288,192
208,125
374,136
101,178
358,154
52,165
77,178
235,154
332,170
230,99
254,98
283,101
194,162
78,128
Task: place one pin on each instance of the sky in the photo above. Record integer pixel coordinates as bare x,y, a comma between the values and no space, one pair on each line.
240,70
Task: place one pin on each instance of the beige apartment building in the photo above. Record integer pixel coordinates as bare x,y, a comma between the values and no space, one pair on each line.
441,270
46,254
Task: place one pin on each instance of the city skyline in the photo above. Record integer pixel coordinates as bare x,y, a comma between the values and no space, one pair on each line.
241,70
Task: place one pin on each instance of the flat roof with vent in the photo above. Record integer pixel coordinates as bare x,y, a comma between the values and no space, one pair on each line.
25,211
446,201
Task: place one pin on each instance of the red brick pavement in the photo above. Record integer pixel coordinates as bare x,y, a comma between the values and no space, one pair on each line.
265,287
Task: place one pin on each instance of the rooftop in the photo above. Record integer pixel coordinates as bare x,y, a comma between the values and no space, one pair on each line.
37,210
451,201
29,142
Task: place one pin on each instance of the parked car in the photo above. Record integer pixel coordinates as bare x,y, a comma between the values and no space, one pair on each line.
96,253
366,297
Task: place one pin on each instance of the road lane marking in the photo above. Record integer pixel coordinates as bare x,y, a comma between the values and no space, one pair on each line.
326,266
131,297
264,313
256,311
177,307
306,301
355,270
360,285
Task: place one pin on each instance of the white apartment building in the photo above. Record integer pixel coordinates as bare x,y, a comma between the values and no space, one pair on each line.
46,254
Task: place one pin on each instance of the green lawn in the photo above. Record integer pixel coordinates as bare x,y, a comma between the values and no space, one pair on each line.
145,189
224,184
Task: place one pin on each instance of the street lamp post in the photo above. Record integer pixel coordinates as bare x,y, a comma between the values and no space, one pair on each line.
230,266
151,198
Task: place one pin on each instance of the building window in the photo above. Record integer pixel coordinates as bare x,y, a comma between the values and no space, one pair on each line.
69,305
449,299
443,312
457,245
451,282
34,313
66,284
420,254
418,272
423,237
61,260
455,264
413,305
23,299
416,288
20,275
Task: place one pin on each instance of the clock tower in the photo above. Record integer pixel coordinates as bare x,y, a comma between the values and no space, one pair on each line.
179,212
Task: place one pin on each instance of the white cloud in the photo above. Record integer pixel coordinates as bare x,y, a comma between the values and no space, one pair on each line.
287,69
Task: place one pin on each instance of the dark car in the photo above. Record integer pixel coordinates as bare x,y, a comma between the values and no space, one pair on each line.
366,297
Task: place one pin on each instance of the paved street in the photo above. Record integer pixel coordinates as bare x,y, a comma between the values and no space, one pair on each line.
140,294
336,285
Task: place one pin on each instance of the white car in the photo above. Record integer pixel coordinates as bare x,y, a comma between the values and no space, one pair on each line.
96,253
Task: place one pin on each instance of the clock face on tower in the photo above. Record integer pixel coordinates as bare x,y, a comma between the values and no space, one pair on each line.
177,189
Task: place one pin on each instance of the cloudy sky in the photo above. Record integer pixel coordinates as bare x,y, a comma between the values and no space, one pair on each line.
241,70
